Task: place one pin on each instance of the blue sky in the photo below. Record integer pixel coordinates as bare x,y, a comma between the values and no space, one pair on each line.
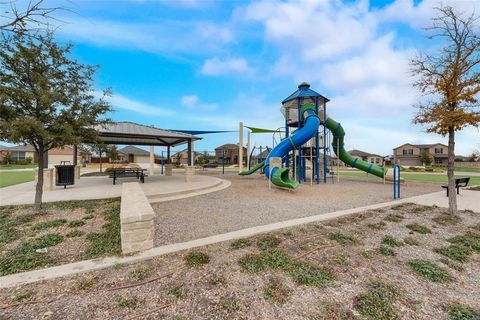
207,65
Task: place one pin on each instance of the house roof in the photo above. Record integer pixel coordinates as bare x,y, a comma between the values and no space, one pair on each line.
228,146
196,153
359,153
27,147
421,146
138,134
133,150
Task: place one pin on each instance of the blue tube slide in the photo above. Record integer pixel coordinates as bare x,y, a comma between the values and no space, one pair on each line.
280,176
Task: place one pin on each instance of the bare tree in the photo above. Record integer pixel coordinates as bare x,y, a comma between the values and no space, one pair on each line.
28,16
451,79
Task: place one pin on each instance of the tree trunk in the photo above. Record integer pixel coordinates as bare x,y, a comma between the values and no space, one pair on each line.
100,160
39,188
452,192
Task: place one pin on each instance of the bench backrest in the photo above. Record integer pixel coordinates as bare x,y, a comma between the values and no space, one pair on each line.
462,182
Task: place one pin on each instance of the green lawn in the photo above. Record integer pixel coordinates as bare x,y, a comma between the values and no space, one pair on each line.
17,166
465,169
15,177
435,178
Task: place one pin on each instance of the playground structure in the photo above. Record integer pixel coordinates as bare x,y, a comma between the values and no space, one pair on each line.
307,138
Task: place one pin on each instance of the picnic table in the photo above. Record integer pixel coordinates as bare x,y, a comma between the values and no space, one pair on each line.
118,173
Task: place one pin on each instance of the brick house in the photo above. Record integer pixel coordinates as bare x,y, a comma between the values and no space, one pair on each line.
183,156
231,153
20,153
368,157
410,154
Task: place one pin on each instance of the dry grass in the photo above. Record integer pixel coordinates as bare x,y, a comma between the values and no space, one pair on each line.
331,270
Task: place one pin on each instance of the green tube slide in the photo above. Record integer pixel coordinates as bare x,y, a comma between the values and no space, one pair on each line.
257,167
337,146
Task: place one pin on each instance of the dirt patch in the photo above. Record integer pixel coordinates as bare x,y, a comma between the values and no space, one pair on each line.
329,270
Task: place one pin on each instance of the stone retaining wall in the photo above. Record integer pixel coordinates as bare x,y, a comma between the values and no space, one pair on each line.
136,219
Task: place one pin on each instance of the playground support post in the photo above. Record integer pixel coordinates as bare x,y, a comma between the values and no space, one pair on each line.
317,147
248,149
338,161
240,147
396,182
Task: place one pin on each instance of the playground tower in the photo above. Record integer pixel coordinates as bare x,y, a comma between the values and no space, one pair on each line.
317,148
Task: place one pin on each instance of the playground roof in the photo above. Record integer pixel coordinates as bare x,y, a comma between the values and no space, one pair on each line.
305,91
201,131
260,130
139,134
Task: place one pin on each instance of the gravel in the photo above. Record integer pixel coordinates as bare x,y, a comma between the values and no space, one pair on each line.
249,202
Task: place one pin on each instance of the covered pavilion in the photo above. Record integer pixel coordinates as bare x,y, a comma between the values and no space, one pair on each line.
131,133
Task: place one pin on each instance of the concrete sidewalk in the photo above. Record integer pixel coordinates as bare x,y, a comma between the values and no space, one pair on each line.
466,200
102,187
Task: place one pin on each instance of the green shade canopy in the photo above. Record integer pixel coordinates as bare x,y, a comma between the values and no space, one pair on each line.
260,130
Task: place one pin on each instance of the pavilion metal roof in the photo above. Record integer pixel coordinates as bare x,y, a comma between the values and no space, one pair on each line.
131,133
304,91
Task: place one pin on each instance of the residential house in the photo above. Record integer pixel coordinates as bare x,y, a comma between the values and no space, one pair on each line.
230,153
3,151
134,154
55,155
368,157
409,155
182,156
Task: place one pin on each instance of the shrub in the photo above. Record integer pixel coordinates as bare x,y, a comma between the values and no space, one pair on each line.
430,270
462,312
386,250
377,302
196,259
343,239
268,242
391,241
418,228
240,243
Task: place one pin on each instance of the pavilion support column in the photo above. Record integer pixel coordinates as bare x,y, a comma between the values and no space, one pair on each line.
189,151
152,160
168,165
190,169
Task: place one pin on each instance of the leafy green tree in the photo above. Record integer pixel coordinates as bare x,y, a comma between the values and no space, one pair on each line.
450,78
112,152
426,159
98,148
46,98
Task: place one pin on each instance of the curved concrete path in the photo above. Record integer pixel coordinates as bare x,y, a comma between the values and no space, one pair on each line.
157,188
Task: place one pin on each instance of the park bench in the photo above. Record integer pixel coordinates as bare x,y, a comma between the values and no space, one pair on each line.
127,173
459,183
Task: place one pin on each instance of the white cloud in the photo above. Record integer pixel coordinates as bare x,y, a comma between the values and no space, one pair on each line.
189,101
216,66
123,102
193,103
420,15
314,29
160,37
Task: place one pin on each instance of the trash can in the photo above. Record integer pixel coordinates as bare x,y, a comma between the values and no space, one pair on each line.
65,175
